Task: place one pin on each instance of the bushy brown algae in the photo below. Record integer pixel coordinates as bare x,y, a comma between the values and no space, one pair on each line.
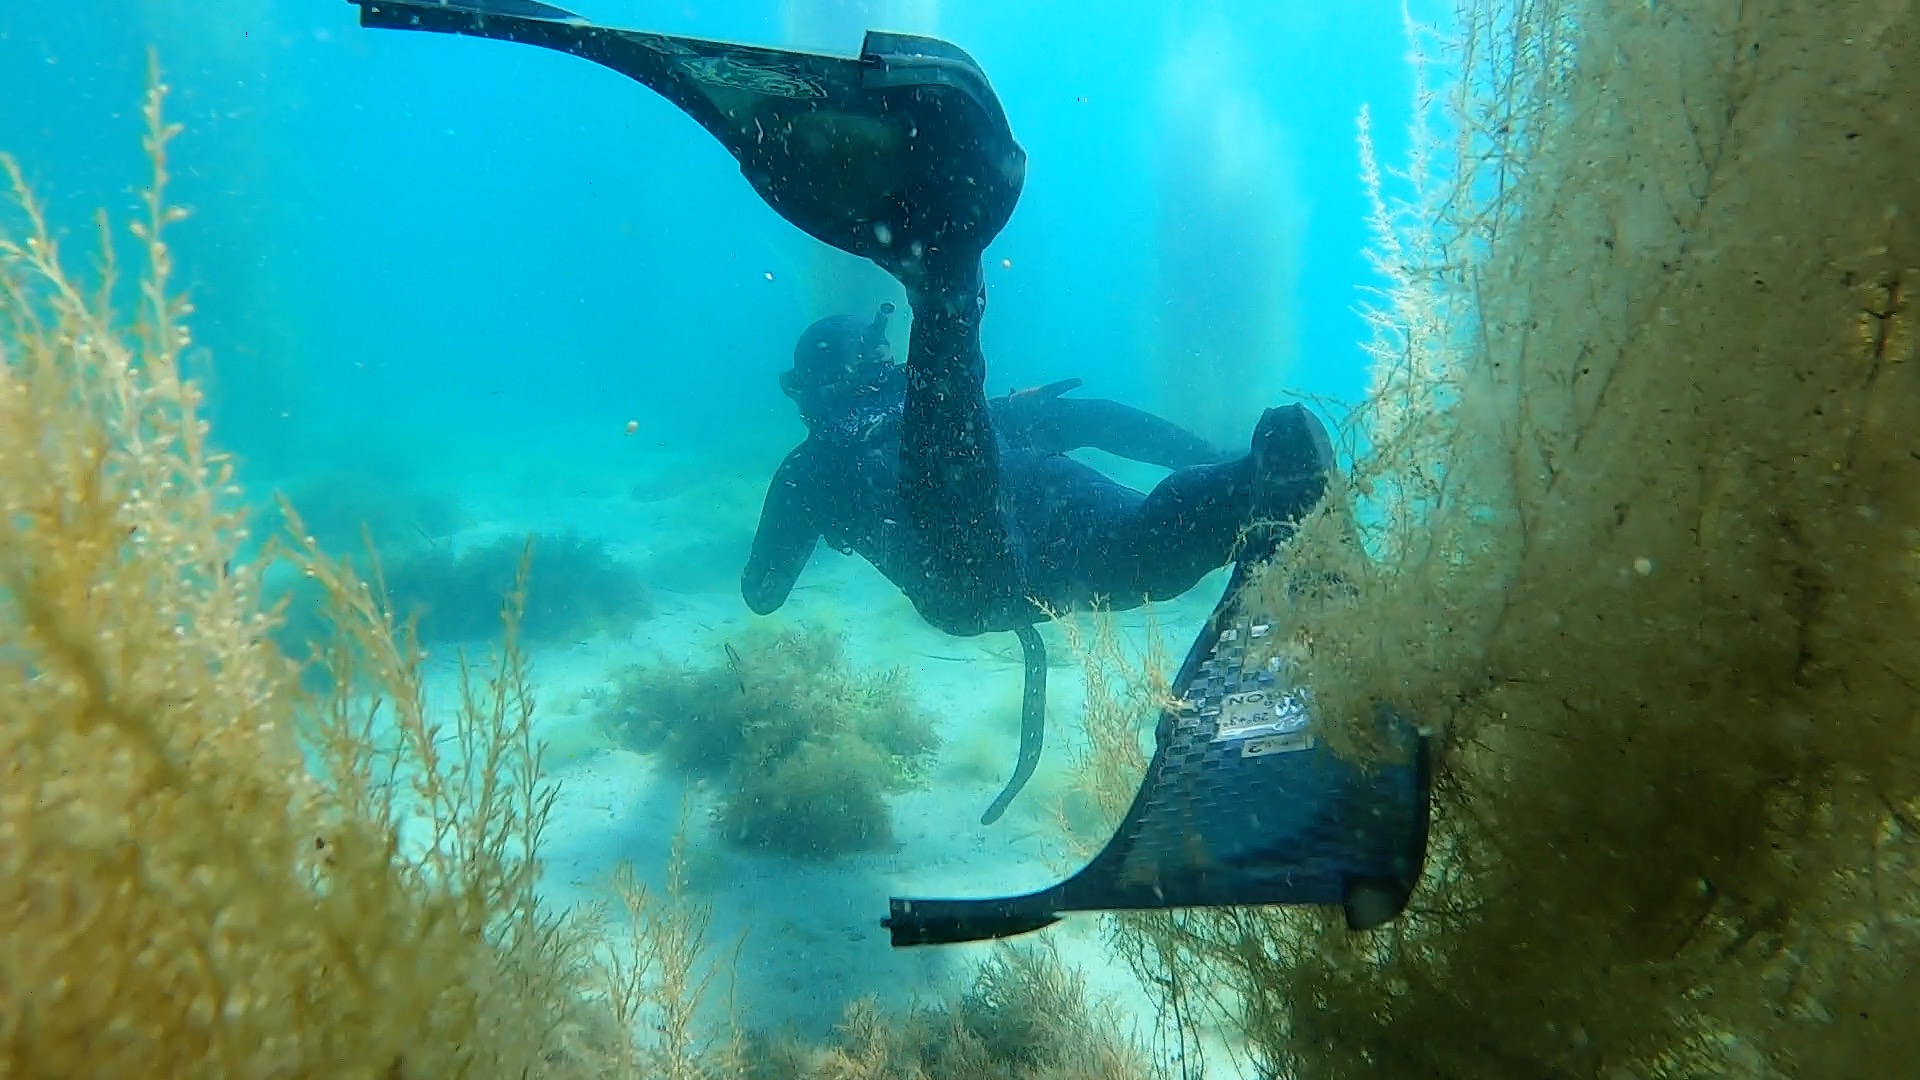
805,747
1641,481
1026,1016
204,870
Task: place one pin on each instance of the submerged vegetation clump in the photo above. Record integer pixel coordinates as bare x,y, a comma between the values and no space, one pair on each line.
343,511
1026,1016
204,871
1640,482
805,747
576,588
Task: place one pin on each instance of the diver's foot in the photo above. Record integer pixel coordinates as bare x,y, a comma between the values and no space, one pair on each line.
1292,458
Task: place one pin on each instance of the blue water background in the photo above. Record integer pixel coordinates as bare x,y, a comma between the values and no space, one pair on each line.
421,251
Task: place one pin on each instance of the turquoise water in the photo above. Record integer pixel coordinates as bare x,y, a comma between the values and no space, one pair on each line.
512,292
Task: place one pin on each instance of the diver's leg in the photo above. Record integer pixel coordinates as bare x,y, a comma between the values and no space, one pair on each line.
1065,423
1254,500
950,464
1080,530
1088,536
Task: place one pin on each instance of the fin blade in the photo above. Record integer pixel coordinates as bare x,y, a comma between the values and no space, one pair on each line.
402,13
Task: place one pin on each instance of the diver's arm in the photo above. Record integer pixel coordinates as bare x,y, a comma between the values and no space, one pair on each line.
785,539
1060,424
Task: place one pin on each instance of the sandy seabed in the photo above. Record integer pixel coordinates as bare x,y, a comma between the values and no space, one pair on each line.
808,933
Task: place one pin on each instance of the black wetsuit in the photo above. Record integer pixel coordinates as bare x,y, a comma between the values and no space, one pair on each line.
1072,534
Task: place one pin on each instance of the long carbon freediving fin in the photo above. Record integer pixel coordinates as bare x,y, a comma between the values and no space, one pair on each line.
1240,805
902,147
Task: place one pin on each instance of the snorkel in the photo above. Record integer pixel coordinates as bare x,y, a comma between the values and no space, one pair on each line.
843,369
875,337
871,367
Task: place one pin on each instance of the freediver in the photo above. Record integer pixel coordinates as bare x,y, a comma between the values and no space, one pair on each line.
901,154
1040,531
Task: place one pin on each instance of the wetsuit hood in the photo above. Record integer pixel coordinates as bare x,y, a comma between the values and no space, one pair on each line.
842,364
